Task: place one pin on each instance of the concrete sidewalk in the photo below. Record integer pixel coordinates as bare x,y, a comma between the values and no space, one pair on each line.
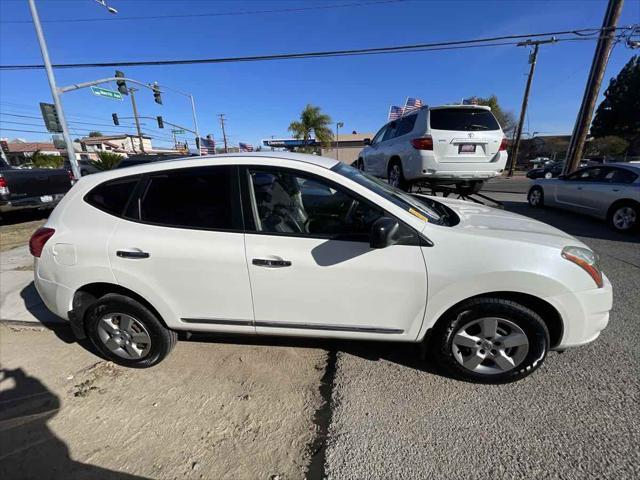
19,300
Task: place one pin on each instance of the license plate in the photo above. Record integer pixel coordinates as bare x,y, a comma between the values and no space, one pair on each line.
467,148
46,199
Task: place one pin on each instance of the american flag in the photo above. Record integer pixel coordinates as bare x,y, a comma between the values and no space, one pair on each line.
411,105
395,112
245,147
207,146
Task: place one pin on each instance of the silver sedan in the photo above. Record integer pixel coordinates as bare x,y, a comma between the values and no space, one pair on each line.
610,192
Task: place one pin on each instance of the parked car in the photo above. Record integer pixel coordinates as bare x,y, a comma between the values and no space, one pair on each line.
452,144
35,188
554,169
86,167
548,171
302,245
610,192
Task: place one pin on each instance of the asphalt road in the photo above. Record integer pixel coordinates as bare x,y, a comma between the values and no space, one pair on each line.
576,417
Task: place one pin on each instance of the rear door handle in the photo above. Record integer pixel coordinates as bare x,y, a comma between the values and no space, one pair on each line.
132,254
265,262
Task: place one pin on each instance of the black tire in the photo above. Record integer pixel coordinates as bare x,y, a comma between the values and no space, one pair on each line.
631,208
162,340
529,322
535,197
402,183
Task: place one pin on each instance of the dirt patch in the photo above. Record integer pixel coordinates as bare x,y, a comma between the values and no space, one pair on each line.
18,234
216,409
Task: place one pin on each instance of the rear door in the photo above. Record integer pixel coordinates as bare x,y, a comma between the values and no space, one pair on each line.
182,243
464,135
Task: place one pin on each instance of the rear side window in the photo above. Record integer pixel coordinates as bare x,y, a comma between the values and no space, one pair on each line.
463,119
406,124
199,198
112,197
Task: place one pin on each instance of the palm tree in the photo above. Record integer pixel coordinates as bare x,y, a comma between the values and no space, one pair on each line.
312,120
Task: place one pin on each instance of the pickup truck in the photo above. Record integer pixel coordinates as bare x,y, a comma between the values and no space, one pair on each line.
38,188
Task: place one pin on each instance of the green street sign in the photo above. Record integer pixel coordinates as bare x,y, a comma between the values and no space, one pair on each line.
103,92
178,132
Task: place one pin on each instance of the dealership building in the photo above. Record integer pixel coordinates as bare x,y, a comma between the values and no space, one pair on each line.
344,148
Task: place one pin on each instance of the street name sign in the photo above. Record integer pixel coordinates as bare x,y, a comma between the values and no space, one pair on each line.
103,92
178,132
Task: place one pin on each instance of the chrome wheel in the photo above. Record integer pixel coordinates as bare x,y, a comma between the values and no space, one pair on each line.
490,345
548,175
125,336
394,175
535,196
624,218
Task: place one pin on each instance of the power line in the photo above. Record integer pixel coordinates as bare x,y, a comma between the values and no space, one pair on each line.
482,42
204,15
74,122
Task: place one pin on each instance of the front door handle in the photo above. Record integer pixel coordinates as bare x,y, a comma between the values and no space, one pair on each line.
132,254
266,262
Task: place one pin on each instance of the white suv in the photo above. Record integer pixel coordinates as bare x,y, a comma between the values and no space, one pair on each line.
452,144
301,245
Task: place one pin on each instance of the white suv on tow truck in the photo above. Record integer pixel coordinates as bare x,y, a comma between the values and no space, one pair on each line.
460,145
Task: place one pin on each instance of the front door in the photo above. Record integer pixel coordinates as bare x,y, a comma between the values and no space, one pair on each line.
182,246
572,191
311,268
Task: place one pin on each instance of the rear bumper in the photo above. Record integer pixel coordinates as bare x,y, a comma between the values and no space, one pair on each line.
31,202
585,314
423,166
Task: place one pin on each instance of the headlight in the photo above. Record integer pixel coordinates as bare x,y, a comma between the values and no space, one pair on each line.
585,259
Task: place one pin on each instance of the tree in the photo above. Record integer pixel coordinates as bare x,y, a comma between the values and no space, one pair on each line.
312,120
95,133
106,160
43,160
506,119
619,113
610,146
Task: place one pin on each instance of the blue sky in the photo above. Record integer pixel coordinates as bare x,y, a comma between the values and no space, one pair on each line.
261,99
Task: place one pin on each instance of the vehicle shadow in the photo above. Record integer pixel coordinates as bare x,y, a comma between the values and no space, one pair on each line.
21,216
28,447
572,223
410,355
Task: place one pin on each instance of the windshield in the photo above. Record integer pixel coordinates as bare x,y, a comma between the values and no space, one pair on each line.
463,119
397,197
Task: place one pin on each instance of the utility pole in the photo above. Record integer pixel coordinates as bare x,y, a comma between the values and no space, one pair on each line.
135,116
338,126
533,57
224,134
598,66
71,153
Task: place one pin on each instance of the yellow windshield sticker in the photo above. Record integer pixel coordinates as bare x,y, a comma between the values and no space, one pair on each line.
416,213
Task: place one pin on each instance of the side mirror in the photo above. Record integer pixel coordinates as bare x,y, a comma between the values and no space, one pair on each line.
367,141
384,233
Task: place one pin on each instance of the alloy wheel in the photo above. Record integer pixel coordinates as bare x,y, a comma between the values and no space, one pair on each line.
490,345
534,197
124,336
624,218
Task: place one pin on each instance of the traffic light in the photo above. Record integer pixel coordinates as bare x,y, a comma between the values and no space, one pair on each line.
122,86
116,121
50,117
160,122
156,93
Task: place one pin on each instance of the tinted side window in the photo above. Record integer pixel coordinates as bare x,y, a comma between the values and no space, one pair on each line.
285,202
463,119
406,124
112,197
588,175
620,175
391,131
201,198
379,135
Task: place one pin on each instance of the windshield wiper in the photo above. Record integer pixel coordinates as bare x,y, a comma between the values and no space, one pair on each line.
478,127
